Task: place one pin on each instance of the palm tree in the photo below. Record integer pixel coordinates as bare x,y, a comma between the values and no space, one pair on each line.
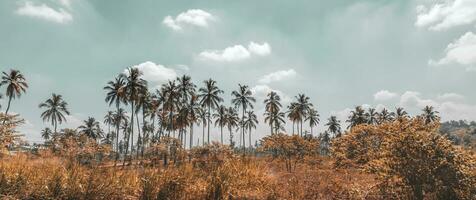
209,98
202,116
120,117
302,107
356,117
272,105
134,84
186,88
400,113
293,115
55,107
429,114
372,116
91,128
232,120
250,123
278,122
385,116
16,85
171,103
116,94
333,125
243,98
221,117
109,120
313,118
46,133
191,113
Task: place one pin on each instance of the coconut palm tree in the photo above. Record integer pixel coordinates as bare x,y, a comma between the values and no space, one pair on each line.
385,116
120,117
243,98
400,113
46,133
202,116
56,107
109,120
356,117
333,126
372,116
91,128
186,88
272,105
191,111
429,114
210,98
134,84
293,115
221,119
171,103
250,123
312,118
116,94
278,122
16,85
302,107
232,120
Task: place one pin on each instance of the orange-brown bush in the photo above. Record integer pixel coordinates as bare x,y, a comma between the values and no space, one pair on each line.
411,159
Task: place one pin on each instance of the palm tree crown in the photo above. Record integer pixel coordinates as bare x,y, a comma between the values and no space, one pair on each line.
56,108
91,128
16,85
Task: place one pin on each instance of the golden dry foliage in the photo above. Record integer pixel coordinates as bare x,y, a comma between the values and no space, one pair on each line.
411,159
8,134
292,149
168,148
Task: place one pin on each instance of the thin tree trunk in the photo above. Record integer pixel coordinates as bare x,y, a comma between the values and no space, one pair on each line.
138,137
8,108
208,124
203,134
301,126
56,125
191,135
293,127
250,137
131,135
243,127
117,136
221,134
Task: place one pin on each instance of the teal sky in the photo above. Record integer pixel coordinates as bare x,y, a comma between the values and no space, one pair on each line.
344,53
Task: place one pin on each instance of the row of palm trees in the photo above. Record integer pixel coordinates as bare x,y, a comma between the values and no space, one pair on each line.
178,106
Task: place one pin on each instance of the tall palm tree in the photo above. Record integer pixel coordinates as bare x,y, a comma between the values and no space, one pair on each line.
186,88
91,128
109,120
250,123
134,84
372,116
430,114
221,119
171,103
210,98
333,126
356,117
16,85
46,133
385,116
120,117
116,94
191,112
232,120
56,107
312,118
203,119
243,98
400,113
302,106
272,105
293,115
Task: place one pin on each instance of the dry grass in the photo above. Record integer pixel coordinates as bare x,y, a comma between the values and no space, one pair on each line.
23,177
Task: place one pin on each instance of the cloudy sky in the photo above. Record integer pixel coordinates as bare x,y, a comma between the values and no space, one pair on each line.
379,53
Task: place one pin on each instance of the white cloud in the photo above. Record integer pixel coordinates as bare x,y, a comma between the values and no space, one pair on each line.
229,54
45,12
259,49
384,95
155,73
236,52
277,76
462,51
262,91
450,97
194,17
445,15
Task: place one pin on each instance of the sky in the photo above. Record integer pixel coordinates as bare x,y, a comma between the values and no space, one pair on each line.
375,53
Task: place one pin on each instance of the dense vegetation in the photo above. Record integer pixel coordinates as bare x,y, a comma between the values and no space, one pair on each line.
149,152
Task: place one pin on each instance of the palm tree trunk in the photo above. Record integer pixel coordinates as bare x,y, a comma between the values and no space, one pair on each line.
250,137
301,127
8,106
191,135
117,137
208,124
221,134
138,136
56,124
243,127
293,127
131,135
203,134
